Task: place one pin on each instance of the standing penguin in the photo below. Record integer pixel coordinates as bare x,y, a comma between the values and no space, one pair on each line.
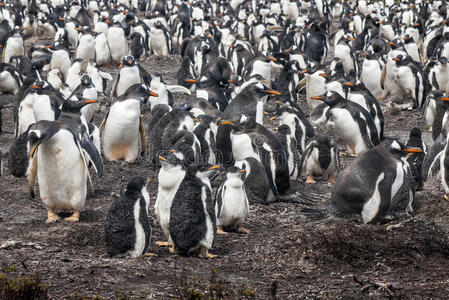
128,229
192,216
85,46
231,202
352,122
14,45
137,46
371,75
415,160
321,158
344,51
160,40
59,152
292,152
129,75
117,42
86,91
376,186
124,134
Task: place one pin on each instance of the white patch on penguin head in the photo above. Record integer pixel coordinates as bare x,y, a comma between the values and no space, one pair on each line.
395,145
329,94
243,118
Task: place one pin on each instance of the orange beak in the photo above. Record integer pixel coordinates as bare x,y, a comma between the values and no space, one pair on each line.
391,43
348,83
272,92
35,86
323,75
413,150
153,94
242,171
444,98
162,158
272,58
227,122
304,71
214,167
317,98
191,80
396,59
89,101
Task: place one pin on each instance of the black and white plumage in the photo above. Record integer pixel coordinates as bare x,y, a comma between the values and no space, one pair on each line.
377,186
192,216
231,202
321,158
128,229
415,160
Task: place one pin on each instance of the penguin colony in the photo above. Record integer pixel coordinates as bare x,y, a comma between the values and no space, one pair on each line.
261,78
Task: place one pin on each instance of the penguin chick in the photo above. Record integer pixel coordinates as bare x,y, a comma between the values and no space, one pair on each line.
369,190
321,158
128,229
415,160
231,202
192,216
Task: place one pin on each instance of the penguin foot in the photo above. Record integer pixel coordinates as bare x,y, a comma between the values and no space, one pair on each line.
147,254
52,217
430,128
172,248
379,99
353,155
221,231
310,179
242,229
163,244
446,197
206,254
75,217
330,179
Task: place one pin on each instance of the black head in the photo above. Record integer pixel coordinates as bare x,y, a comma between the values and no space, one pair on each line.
41,87
415,133
236,171
129,61
170,159
259,90
135,187
408,39
330,98
86,80
284,129
401,60
398,149
443,60
75,106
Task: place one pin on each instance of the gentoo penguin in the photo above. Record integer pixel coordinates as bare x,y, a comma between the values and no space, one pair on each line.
371,74
86,91
256,182
123,131
321,158
352,122
291,149
316,43
210,90
249,138
376,186
117,42
441,115
438,150
231,202
415,160
411,79
205,132
160,40
129,75
10,79
102,52
249,103
73,78
85,46
14,45
59,152
430,107
315,85
192,216
18,155
128,229
137,46
344,51
439,75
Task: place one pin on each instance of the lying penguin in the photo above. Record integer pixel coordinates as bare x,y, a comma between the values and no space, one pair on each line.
128,229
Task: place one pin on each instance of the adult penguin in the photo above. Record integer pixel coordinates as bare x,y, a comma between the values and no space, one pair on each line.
248,138
85,46
344,51
352,122
249,103
439,75
10,79
205,132
210,90
59,152
128,229
137,46
291,149
376,186
124,134
129,75
160,40
86,91
117,42
371,74
438,151
316,44
14,45
102,52
430,108
192,215
441,114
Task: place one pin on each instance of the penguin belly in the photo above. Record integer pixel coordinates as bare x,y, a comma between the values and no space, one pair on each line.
86,48
262,68
242,147
26,114
234,206
344,52
60,59
61,173
139,245
89,110
158,42
117,44
14,47
7,83
349,131
169,182
407,82
390,73
42,108
121,139
312,164
128,77
102,53
315,86
430,112
371,77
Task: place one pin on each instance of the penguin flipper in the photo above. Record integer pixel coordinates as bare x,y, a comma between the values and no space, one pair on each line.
114,87
363,131
32,172
432,156
143,136
383,76
90,150
103,123
178,89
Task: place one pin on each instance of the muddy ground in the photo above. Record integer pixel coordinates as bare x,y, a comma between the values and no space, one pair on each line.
286,255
